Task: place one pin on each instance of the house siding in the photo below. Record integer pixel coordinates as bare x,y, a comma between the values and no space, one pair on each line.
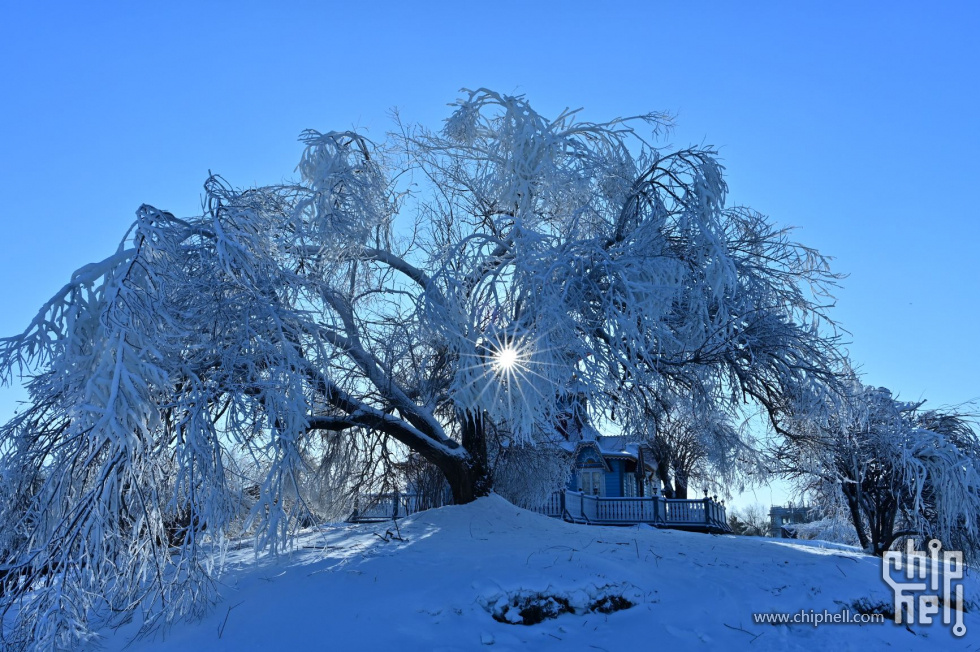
614,480
613,469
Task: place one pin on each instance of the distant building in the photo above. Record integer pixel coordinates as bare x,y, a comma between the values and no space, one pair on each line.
783,519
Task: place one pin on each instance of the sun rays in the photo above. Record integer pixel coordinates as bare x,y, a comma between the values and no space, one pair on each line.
505,359
510,377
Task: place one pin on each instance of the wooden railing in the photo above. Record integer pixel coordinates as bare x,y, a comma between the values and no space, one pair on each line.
385,507
705,514
625,510
554,506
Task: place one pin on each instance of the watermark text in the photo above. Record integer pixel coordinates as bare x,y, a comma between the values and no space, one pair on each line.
817,618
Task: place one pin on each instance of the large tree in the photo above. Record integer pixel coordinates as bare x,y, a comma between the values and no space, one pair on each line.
449,292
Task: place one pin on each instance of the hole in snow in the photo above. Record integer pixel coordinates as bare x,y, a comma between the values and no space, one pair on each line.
531,608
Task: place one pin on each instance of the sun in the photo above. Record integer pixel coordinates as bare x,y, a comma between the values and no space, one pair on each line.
506,358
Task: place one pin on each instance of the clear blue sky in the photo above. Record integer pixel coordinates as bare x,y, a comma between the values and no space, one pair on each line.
860,126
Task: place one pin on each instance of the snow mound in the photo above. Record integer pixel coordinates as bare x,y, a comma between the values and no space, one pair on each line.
460,578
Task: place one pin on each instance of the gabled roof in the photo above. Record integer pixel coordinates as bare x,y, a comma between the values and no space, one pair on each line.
614,448
583,445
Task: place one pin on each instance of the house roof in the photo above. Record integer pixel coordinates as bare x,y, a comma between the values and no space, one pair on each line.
613,447
603,458
618,446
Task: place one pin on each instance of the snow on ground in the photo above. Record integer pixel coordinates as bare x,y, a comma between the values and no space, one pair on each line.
347,588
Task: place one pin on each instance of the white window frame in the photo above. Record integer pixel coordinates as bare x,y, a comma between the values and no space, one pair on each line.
629,484
592,482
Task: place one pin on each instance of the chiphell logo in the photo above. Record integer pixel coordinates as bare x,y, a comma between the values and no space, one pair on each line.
925,584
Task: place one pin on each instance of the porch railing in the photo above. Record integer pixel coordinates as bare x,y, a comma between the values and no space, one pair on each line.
699,514
705,514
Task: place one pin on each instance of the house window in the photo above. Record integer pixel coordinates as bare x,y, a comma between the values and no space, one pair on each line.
629,485
591,482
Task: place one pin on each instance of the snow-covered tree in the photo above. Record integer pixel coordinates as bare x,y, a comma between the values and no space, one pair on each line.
697,444
896,470
750,521
445,292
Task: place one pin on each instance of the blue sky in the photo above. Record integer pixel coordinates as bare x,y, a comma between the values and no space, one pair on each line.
856,124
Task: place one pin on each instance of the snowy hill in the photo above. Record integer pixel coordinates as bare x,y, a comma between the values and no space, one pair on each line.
347,587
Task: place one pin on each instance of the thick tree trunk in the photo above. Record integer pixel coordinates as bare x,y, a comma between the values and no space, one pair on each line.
680,484
468,477
850,494
883,526
467,482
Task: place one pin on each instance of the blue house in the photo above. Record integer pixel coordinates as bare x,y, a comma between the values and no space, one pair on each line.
613,467
614,481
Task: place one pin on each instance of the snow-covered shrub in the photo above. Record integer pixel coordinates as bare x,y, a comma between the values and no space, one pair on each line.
827,529
528,475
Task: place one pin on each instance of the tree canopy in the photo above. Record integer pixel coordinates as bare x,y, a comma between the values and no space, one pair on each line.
458,293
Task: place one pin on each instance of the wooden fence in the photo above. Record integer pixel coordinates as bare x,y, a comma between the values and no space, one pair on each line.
385,507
